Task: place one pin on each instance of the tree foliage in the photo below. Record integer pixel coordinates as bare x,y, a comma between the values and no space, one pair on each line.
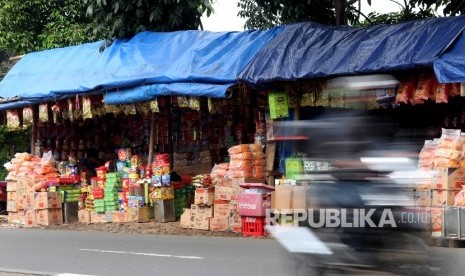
12,142
33,25
123,18
264,14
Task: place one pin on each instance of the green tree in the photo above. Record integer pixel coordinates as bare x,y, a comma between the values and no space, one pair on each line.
12,142
33,25
123,19
267,13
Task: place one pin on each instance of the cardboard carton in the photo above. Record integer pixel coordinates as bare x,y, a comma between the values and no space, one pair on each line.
11,196
223,193
28,200
12,206
97,217
30,218
423,198
200,223
47,200
219,224
234,217
140,214
282,197
84,216
436,221
109,216
185,218
236,190
49,216
13,217
443,197
299,197
11,186
221,210
119,217
201,211
21,203
204,196
241,180
450,178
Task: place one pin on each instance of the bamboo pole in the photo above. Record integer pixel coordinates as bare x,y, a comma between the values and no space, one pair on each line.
35,120
152,136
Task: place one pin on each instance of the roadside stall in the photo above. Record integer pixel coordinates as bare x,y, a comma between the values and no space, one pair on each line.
424,56
121,147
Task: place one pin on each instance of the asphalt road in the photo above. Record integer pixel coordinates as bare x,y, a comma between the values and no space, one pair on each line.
95,253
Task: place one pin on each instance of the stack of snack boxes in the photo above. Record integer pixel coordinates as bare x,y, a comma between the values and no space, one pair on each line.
32,208
442,161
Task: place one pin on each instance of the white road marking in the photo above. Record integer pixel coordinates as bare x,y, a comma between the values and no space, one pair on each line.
143,254
70,274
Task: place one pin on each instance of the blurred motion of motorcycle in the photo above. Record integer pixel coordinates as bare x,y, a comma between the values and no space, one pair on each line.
359,218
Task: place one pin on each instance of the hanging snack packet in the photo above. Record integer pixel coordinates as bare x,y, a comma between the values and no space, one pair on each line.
129,109
183,102
212,106
28,117
424,89
12,119
194,103
143,108
86,108
70,110
450,139
442,93
154,106
56,111
455,89
43,113
405,91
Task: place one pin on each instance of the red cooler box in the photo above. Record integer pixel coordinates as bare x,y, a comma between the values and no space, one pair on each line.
254,201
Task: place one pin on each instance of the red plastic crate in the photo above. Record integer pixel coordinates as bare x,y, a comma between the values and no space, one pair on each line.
253,226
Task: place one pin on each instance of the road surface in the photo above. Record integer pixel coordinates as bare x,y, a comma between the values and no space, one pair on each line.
95,253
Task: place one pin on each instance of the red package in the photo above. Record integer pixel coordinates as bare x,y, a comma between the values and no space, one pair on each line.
424,89
405,91
442,93
455,90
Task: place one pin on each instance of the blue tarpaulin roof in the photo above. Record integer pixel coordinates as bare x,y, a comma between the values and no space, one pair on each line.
450,67
310,50
193,62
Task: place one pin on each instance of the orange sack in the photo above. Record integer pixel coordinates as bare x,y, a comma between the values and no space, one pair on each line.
239,149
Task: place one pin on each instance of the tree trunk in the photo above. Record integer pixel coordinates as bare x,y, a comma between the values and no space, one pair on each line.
340,7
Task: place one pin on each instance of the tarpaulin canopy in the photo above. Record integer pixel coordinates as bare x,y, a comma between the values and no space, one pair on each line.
310,50
450,67
186,60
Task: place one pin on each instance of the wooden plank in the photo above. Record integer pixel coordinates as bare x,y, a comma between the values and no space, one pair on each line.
270,153
152,137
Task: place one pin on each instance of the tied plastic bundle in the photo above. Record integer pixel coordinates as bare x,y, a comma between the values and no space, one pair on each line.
449,150
247,160
218,173
240,164
39,169
427,155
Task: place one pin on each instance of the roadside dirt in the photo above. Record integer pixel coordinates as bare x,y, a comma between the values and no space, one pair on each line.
155,228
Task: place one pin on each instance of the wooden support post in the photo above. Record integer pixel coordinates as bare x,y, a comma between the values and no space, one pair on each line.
35,121
270,154
152,136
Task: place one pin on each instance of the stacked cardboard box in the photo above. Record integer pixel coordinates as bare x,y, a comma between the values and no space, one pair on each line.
133,214
32,208
15,202
200,217
447,184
